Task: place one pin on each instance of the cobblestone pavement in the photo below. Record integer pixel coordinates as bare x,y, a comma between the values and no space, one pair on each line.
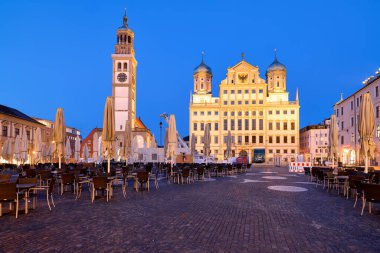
230,214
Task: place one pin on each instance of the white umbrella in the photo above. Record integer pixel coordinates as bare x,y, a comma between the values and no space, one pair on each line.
193,144
37,146
100,147
127,142
17,148
77,149
229,144
333,139
68,151
366,128
7,150
95,148
206,141
166,142
24,147
85,152
49,151
172,139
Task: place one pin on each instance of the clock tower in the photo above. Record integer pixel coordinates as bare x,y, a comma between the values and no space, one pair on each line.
124,81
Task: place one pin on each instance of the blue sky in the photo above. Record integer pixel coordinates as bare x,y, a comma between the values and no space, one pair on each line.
58,53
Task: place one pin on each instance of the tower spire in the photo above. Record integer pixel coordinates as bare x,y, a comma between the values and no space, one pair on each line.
125,18
297,94
275,54
203,55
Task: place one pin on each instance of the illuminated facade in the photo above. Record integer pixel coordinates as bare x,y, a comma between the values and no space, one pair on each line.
347,114
264,124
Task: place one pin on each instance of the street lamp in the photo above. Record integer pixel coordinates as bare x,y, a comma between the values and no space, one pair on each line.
160,133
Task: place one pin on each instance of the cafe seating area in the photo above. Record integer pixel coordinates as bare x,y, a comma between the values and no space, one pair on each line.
22,187
351,183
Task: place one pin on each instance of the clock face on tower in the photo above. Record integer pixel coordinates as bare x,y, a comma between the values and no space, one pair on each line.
122,77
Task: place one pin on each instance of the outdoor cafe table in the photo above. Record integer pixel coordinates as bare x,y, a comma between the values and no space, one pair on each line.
25,188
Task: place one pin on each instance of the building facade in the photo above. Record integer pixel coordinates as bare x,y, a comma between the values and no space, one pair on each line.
14,123
264,123
347,114
314,142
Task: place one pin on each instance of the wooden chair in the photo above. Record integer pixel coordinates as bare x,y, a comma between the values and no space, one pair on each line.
67,179
8,194
143,178
100,183
49,191
371,193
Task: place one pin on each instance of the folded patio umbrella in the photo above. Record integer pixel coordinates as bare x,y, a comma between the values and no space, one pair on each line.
206,142
366,129
59,135
108,135
172,139
333,139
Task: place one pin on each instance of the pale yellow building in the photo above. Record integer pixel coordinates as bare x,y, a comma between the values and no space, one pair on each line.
264,124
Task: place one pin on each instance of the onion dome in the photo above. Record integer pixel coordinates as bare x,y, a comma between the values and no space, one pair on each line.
202,67
276,65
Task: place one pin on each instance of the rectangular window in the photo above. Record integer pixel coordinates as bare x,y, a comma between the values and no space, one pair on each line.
239,102
352,121
285,125
342,124
260,91
202,113
270,140
285,139
377,111
270,112
225,125
246,139
246,102
239,113
341,111
342,140
260,102
253,113
195,126
239,124
216,126
277,139
352,105
225,92
216,113
261,124
253,124
292,126
293,139
246,91
285,112
254,139
225,114
277,112
225,102
239,91
278,126
232,124
270,151
293,151
195,113
216,139
5,131
17,131
209,113
337,113
253,91
292,112
239,139
28,134
232,113
261,139
232,102
377,91
357,102
270,126
247,113
202,126
246,124
253,102
232,91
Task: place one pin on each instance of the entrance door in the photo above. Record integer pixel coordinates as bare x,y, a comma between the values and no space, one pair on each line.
258,155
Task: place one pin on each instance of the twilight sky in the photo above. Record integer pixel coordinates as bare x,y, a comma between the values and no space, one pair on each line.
58,53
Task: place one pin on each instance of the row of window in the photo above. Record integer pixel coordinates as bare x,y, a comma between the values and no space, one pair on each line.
253,102
240,113
358,101
249,139
125,66
270,151
245,91
4,132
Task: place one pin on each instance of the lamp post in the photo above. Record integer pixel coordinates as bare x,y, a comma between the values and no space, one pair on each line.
160,133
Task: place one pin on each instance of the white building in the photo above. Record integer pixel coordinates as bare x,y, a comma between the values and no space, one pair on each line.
347,114
314,142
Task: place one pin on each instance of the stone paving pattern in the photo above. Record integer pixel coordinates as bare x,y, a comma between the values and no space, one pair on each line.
225,215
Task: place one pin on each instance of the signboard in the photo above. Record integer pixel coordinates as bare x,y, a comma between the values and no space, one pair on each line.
297,167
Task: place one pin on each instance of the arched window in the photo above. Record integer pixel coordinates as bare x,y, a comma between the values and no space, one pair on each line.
129,39
125,66
202,85
278,84
119,66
